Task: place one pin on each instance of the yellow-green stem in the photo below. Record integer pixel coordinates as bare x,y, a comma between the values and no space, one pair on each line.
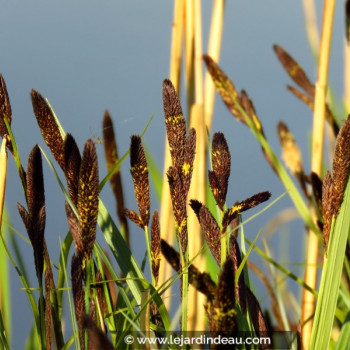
184,265
308,300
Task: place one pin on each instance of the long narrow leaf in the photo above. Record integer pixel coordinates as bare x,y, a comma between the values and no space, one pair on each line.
331,275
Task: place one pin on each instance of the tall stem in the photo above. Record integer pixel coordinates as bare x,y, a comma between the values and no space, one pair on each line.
166,217
308,302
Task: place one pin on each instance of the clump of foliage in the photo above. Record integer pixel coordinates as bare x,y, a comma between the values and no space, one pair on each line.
105,306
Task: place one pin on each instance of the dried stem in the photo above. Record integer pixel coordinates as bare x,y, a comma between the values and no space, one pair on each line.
166,218
214,52
308,302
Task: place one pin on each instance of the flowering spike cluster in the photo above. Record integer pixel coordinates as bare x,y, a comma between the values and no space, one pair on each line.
179,205
218,180
155,245
290,150
139,173
240,105
224,313
97,339
240,207
175,124
230,95
294,70
187,167
88,191
83,184
182,151
327,205
219,176
34,219
255,311
111,155
48,127
317,191
72,162
5,110
298,75
210,228
333,188
341,162
222,297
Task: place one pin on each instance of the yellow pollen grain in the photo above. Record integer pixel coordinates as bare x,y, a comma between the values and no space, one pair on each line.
186,168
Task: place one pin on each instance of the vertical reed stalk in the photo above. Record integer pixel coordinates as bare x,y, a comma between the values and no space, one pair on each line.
196,316
196,300
215,36
189,37
166,217
308,302
311,26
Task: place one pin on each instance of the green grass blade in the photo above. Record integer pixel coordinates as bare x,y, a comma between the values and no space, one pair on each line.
3,334
61,277
5,301
287,272
344,338
242,265
155,174
331,275
32,342
126,261
63,260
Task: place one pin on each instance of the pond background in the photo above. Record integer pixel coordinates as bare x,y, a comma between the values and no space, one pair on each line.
88,56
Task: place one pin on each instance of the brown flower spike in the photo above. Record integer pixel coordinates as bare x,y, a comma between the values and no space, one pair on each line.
178,199
210,228
175,124
200,280
82,179
240,207
219,176
48,126
327,205
88,192
182,151
341,163
155,245
294,70
34,219
224,310
5,110
111,155
298,75
139,173
72,162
